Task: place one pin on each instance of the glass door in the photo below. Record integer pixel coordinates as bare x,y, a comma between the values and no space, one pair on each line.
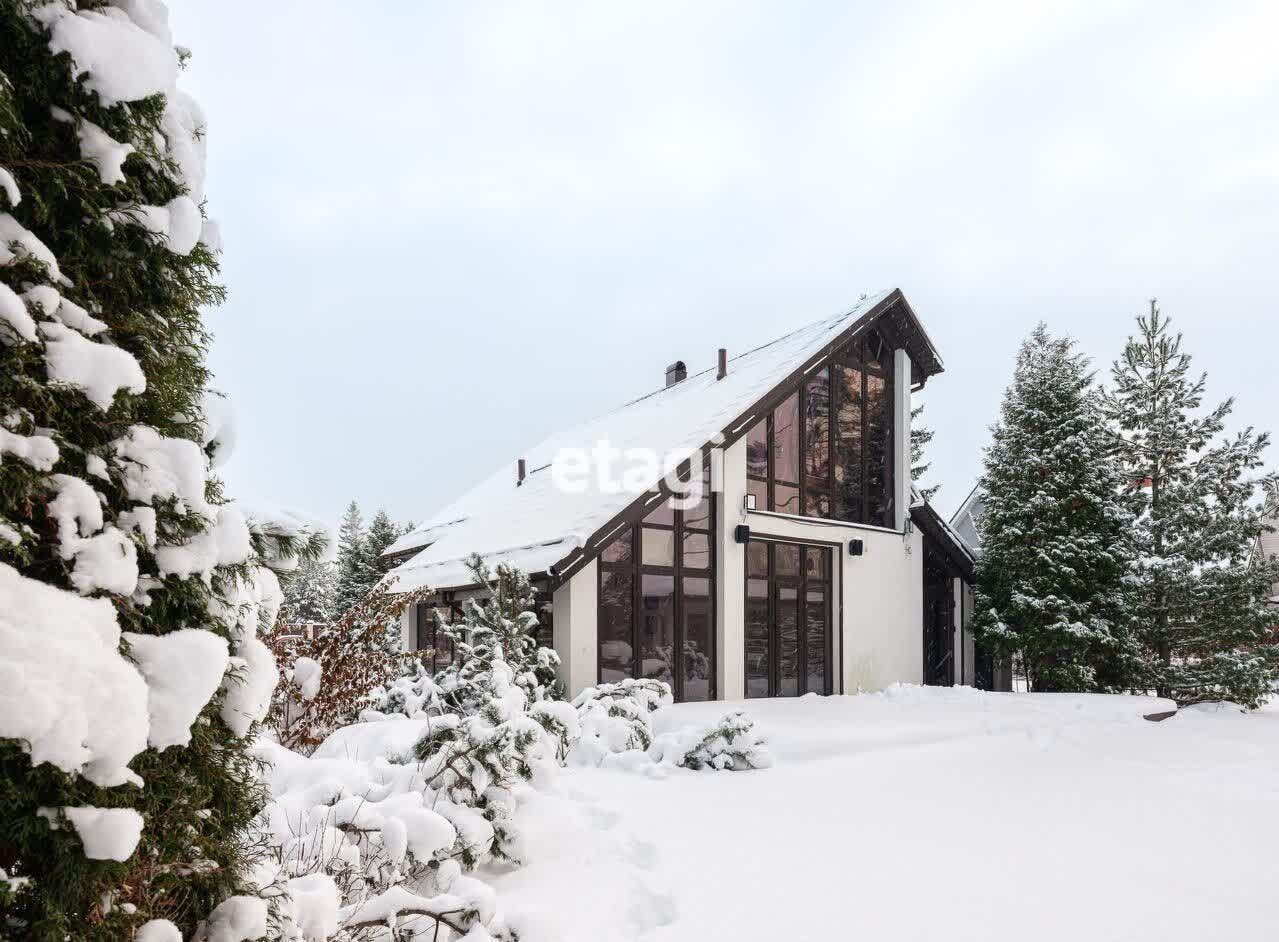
788,619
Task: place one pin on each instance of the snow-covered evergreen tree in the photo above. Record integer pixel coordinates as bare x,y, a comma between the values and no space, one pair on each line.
500,626
1202,618
920,436
310,594
131,674
355,575
382,532
1050,581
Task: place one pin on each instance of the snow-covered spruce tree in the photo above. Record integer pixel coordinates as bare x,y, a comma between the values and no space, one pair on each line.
1201,613
355,576
382,532
130,597
1050,581
310,594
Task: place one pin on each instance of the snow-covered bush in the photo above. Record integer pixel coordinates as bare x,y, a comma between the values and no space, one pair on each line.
730,744
495,714
479,759
355,842
357,846
351,656
131,591
616,728
616,718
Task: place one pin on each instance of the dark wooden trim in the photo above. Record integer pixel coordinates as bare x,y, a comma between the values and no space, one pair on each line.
947,544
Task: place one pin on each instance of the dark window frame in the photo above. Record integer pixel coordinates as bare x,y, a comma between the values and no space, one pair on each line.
801,583
637,569
872,509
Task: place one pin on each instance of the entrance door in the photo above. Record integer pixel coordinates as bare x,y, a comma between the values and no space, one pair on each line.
939,621
788,619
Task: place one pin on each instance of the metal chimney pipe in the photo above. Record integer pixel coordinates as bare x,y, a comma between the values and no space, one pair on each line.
723,364
520,467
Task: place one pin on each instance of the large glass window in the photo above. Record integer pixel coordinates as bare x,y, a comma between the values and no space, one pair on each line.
827,449
657,599
788,619
616,624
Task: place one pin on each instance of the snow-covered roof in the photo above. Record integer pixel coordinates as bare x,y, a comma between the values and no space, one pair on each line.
935,526
536,524
964,520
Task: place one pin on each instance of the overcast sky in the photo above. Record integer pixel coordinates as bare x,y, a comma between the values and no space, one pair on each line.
452,228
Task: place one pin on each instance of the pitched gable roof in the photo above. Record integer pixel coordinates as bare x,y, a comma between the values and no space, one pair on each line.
536,525
964,520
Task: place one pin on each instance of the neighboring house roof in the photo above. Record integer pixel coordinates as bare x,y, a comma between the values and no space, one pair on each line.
537,525
964,520
951,544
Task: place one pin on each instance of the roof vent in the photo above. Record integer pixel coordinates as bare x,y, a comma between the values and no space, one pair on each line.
675,373
722,371
520,472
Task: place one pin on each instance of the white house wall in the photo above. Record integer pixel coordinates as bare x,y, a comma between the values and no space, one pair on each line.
408,624
574,633
730,573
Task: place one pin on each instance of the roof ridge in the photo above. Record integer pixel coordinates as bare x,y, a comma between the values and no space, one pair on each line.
833,319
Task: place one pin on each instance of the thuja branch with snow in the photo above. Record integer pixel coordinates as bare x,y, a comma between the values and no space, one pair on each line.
131,593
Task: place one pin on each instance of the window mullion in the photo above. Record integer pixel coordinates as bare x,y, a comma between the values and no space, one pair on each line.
832,438
677,651
864,457
801,625
769,465
637,575
802,419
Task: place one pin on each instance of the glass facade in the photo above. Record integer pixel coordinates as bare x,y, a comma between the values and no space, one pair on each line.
827,451
657,599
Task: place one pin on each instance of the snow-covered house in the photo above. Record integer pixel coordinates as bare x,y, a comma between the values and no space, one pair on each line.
786,554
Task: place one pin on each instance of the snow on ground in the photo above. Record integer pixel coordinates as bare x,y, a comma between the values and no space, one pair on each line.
920,813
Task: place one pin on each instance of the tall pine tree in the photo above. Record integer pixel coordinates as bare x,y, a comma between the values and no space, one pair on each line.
1050,578
1202,618
355,575
130,596
382,532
